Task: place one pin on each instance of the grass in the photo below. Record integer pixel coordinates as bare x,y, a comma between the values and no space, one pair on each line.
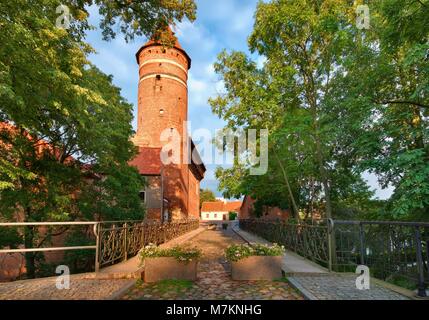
402,282
285,280
177,286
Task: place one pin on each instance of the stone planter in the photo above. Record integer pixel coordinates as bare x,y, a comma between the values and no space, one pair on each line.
167,268
257,268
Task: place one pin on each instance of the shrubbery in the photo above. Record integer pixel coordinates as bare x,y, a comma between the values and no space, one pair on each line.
181,254
241,251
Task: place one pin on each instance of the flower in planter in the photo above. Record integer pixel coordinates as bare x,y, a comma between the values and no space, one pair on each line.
241,251
180,253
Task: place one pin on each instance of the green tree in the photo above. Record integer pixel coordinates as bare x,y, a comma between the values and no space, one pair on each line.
338,101
65,134
206,195
383,94
304,43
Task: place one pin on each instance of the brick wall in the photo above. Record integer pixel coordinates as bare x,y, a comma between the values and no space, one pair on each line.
247,211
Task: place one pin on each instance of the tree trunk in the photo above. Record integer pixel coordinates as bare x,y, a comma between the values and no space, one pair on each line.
320,160
30,257
286,178
324,176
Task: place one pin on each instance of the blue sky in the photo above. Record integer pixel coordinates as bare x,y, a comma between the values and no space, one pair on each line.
220,24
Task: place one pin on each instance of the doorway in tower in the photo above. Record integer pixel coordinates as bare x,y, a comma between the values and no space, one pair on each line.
166,217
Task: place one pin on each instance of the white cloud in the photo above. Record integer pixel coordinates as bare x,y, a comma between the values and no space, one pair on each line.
210,71
203,85
244,21
112,63
190,34
380,193
260,61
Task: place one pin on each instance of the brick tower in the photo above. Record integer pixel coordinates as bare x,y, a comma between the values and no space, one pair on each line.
163,105
163,91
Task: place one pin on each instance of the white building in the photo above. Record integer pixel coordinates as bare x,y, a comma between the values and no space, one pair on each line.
218,210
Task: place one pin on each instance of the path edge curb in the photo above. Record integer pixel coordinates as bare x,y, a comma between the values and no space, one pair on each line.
120,292
297,286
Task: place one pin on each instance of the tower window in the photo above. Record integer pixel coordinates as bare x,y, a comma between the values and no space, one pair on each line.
142,196
158,77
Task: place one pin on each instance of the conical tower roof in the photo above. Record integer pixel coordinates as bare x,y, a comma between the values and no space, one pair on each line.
155,41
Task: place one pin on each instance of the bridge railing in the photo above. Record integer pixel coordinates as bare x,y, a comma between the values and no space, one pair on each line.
308,240
113,241
118,241
394,251
397,252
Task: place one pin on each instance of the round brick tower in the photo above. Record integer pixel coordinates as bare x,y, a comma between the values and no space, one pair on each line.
163,105
163,91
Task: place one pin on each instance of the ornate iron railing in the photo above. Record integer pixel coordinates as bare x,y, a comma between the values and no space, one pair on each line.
308,240
118,241
114,241
397,252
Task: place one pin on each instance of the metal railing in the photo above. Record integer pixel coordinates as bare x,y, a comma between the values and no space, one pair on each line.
308,240
394,251
397,252
122,240
115,241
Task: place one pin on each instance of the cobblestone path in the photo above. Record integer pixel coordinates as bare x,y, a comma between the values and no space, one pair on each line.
342,287
214,281
45,289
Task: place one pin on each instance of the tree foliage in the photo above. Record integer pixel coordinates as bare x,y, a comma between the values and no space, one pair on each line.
65,128
206,195
338,101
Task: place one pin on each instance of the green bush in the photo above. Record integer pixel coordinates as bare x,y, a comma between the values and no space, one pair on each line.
237,252
232,216
181,254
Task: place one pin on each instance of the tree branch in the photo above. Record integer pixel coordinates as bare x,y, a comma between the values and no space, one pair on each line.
421,105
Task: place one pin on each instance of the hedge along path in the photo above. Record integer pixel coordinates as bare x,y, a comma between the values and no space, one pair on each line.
214,277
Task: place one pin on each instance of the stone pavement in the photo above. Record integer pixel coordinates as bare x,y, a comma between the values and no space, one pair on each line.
214,281
108,284
341,287
316,283
45,289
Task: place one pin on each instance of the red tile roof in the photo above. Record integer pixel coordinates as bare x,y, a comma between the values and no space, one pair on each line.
220,206
148,161
233,206
212,206
154,42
